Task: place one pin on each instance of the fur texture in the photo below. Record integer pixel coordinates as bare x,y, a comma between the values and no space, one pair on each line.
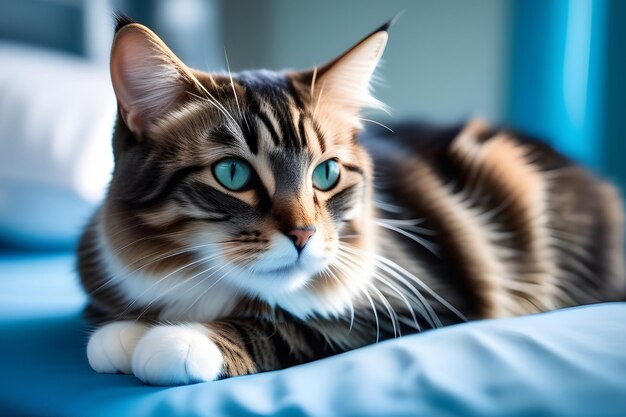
193,281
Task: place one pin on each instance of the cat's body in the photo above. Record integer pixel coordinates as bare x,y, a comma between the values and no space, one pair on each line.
200,278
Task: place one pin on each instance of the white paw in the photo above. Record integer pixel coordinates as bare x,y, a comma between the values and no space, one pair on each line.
177,354
110,348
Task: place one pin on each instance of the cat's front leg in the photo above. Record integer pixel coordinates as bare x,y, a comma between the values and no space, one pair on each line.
175,354
110,347
185,353
164,354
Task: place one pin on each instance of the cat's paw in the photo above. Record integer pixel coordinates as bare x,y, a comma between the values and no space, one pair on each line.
110,348
177,354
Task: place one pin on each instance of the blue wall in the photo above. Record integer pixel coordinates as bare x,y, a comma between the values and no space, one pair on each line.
613,111
567,67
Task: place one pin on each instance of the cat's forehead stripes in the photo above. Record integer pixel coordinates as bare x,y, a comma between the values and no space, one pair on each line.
251,136
267,121
259,111
275,104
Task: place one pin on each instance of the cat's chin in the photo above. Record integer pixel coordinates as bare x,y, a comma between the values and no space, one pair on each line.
282,271
292,289
266,283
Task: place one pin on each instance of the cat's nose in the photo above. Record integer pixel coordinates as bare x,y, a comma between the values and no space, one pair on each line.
300,236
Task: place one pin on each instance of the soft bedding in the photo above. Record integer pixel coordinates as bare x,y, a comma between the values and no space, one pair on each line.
569,363
55,144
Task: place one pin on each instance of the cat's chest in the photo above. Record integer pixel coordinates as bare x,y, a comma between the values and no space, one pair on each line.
174,296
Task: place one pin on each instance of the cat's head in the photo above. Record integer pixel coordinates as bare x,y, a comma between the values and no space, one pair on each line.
254,179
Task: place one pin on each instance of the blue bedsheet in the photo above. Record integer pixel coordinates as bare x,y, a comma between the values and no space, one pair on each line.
570,363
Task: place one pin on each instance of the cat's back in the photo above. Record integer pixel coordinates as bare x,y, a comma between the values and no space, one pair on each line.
516,226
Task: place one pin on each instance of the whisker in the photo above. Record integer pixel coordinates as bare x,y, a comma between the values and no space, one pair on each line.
313,78
410,225
350,236
212,100
108,237
402,222
157,282
424,286
177,285
429,314
232,84
319,98
388,207
221,109
328,272
393,316
403,296
339,265
129,272
431,247
393,288
375,313
228,271
376,123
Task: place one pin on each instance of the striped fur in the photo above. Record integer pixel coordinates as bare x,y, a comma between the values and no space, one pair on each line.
436,227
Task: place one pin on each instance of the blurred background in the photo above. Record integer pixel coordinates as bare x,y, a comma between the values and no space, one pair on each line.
553,68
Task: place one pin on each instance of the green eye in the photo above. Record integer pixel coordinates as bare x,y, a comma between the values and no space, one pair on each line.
232,173
326,175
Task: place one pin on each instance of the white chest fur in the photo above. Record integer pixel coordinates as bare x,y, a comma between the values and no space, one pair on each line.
179,296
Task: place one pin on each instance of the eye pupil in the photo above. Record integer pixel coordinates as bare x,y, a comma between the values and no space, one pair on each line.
232,173
326,175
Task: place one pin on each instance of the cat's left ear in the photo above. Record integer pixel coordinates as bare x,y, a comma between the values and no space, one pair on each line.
344,84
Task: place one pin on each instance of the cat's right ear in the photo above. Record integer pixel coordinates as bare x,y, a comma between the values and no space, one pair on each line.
148,79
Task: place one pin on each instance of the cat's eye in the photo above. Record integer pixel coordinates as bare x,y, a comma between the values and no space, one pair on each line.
232,173
326,175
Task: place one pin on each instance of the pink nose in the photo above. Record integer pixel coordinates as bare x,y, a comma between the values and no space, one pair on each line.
300,236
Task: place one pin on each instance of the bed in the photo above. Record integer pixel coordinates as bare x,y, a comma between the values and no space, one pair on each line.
564,363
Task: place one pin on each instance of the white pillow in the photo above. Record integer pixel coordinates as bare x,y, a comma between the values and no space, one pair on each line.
56,121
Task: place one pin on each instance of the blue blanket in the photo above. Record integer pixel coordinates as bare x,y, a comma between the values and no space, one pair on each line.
569,363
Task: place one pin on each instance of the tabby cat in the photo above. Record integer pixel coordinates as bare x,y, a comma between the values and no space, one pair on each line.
251,226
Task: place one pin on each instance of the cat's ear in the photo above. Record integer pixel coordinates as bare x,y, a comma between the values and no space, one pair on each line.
345,83
148,79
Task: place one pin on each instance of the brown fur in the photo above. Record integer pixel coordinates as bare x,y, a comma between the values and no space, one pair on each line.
436,227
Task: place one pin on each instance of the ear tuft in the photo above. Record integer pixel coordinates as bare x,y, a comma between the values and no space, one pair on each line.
387,25
121,20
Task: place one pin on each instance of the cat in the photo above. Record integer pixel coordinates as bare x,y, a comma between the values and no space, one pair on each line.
250,225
